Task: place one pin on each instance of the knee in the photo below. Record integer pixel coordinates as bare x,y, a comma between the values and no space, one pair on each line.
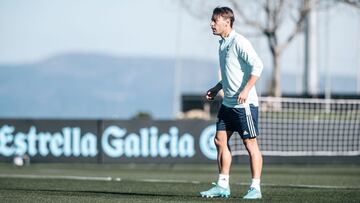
219,142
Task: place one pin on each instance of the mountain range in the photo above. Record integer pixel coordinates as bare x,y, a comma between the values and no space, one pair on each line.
89,85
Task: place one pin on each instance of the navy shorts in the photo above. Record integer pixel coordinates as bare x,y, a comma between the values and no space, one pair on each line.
242,120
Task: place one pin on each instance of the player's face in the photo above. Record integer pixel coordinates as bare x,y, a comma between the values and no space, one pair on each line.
219,25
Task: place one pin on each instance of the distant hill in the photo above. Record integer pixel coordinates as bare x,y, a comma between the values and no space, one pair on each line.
97,86
103,86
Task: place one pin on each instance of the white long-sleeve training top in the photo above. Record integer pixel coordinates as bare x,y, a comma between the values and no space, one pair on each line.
238,60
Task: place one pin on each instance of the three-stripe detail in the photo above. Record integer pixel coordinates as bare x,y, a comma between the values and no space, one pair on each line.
250,122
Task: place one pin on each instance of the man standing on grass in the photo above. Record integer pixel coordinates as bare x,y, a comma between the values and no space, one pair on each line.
240,68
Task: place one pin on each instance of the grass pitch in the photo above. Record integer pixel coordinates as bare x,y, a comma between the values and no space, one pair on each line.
173,183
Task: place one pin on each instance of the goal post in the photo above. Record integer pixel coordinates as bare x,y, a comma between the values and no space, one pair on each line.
306,127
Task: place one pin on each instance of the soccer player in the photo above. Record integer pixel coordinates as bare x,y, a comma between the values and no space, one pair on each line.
240,68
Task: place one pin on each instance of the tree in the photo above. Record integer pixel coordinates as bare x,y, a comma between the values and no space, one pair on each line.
142,115
267,18
354,3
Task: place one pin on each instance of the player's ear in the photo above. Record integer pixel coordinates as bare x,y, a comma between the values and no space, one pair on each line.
228,22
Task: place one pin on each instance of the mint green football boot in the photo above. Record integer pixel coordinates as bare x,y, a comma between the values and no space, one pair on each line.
253,194
216,191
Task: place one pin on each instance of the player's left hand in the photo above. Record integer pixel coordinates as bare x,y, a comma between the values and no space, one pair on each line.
242,97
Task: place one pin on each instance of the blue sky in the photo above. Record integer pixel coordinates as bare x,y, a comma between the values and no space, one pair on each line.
36,29
33,30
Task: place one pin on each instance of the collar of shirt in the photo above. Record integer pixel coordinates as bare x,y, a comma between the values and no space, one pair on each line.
224,42
228,38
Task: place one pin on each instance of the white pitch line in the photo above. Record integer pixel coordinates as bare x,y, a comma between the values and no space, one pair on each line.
263,184
169,181
29,176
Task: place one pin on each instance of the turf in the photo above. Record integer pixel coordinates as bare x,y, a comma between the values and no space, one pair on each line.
281,183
